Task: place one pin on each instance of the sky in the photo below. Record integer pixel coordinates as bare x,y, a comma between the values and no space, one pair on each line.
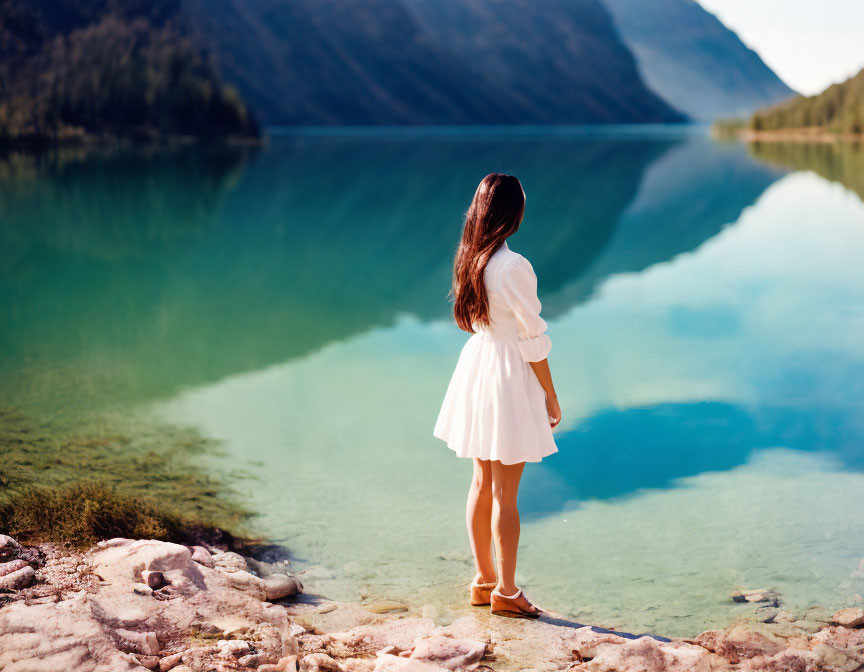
810,44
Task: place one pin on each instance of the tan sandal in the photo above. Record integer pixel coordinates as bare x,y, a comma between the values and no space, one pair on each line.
509,607
480,593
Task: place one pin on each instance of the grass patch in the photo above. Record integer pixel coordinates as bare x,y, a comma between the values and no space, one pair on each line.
81,485
84,513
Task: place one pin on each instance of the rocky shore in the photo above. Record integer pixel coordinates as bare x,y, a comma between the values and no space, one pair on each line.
152,605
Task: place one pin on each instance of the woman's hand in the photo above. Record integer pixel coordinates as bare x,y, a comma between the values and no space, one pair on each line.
553,409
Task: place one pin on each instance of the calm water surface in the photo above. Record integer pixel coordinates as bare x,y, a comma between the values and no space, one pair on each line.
704,302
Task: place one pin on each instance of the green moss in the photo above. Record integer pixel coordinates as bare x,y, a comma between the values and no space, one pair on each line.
59,483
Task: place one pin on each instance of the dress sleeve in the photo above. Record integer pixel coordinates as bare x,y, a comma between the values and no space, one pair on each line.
519,289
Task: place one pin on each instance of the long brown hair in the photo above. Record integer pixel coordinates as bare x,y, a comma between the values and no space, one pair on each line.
495,213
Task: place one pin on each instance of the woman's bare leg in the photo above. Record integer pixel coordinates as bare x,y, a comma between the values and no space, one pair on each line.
505,522
479,518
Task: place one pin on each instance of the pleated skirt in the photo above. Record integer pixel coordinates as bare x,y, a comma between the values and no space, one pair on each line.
495,408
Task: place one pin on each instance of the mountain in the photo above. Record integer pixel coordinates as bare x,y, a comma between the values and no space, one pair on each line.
693,61
838,109
85,69
426,61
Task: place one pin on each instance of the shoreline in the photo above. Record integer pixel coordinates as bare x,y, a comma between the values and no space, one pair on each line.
798,135
155,605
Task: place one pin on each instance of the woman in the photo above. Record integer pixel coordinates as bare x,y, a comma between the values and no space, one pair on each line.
500,406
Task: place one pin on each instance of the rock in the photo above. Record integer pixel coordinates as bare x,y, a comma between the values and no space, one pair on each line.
7,568
277,586
229,562
170,662
198,658
155,580
849,641
390,663
233,647
150,662
251,660
385,607
758,595
646,654
202,556
738,643
852,617
119,563
234,633
142,589
286,664
18,579
137,642
783,616
401,633
319,662
358,665
248,583
183,668
448,652
9,548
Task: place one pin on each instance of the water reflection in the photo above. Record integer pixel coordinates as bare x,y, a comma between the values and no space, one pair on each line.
181,269
620,452
841,161
292,304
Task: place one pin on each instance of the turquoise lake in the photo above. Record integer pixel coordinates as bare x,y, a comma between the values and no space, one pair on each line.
704,302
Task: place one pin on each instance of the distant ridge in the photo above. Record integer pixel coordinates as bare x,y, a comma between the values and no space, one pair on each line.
839,109
108,70
426,61
695,62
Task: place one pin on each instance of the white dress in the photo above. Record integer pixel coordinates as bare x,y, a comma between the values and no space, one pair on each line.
495,408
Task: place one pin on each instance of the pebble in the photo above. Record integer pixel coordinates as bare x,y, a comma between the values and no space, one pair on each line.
320,662
170,662
155,580
142,589
150,662
277,586
233,647
202,556
251,660
138,642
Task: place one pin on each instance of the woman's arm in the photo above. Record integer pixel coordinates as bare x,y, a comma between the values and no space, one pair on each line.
544,375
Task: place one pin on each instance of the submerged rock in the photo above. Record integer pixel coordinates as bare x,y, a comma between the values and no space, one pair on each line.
768,595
